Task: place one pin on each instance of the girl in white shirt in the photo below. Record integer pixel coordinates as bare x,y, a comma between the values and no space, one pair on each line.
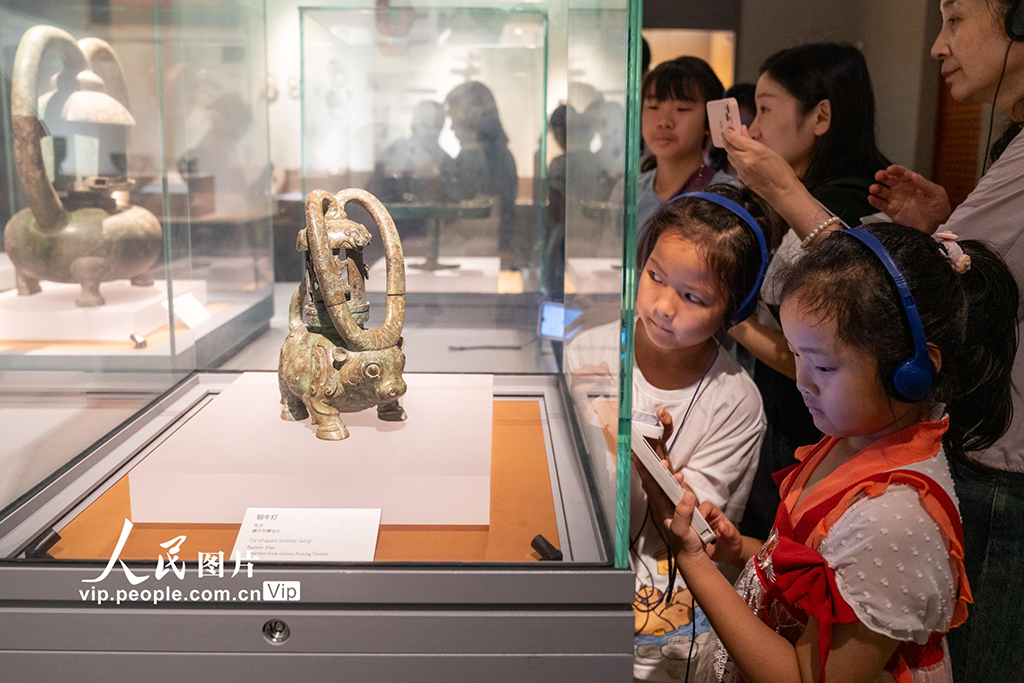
700,262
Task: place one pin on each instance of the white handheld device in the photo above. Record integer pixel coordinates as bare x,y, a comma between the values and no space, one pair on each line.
722,114
668,484
648,424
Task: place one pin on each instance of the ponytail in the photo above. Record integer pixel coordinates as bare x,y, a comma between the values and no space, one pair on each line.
981,406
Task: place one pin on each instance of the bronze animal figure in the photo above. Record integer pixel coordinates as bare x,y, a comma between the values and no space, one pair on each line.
330,363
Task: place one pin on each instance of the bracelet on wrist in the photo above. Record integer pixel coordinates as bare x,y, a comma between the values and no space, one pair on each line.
810,239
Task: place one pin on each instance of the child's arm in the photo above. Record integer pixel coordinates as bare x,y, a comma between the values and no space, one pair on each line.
764,656
858,654
768,346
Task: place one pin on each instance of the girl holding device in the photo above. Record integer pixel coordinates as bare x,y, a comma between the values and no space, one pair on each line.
704,258
902,362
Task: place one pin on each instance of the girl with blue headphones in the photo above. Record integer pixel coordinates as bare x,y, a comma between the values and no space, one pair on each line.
903,346
703,260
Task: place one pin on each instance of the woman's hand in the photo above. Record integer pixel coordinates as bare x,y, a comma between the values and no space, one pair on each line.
910,199
760,168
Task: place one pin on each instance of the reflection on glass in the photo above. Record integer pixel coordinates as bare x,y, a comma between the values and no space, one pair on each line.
441,120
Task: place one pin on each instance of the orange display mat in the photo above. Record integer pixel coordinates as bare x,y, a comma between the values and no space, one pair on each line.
522,506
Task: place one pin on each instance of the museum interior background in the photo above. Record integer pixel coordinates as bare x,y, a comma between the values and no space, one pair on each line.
495,132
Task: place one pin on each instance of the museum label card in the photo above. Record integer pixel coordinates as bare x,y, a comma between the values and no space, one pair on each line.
189,310
309,534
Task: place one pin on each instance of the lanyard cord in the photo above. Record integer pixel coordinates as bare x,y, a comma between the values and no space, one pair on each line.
707,368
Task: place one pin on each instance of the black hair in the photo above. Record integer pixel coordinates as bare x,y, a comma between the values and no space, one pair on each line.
558,123
1016,124
474,102
744,94
838,73
687,79
732,249
645,55
970,317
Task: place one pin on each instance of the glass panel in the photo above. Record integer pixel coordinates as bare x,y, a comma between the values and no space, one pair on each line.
444,126
215,95
598,171
119,285
85,340
443,114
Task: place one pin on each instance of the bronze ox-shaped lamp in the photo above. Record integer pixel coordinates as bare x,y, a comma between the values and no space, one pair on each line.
330,363
102,237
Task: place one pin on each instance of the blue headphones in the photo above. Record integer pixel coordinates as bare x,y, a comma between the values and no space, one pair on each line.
747,306
912,379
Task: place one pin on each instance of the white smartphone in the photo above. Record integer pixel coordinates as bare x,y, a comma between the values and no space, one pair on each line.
722,114
648,424
649,459
555,321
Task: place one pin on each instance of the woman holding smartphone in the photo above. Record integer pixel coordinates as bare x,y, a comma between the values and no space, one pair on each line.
815,112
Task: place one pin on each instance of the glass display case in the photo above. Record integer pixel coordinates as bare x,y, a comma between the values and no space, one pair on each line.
185,516
136,186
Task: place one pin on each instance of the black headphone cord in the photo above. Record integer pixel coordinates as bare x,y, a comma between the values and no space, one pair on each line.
992,113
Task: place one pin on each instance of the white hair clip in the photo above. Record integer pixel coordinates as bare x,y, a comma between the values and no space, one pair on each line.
960,261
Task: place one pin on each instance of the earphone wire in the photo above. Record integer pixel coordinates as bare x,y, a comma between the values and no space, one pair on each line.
992,113
693,399
693,633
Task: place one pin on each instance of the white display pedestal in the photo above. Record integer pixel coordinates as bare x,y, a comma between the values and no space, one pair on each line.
7,276
593,275
52,314
237,453
474,274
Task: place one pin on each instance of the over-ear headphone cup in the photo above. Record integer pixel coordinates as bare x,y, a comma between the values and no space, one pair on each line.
913,379
1015,22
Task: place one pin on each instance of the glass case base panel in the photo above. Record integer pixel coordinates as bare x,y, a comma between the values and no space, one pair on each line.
53,316
210,327
532,482
237,452
408,662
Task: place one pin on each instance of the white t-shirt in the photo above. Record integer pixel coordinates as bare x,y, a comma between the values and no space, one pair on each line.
717,450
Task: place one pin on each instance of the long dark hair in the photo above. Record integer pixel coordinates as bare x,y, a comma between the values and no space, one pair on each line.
838,73
474,102
687,79
1016,124
971,318
732,250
